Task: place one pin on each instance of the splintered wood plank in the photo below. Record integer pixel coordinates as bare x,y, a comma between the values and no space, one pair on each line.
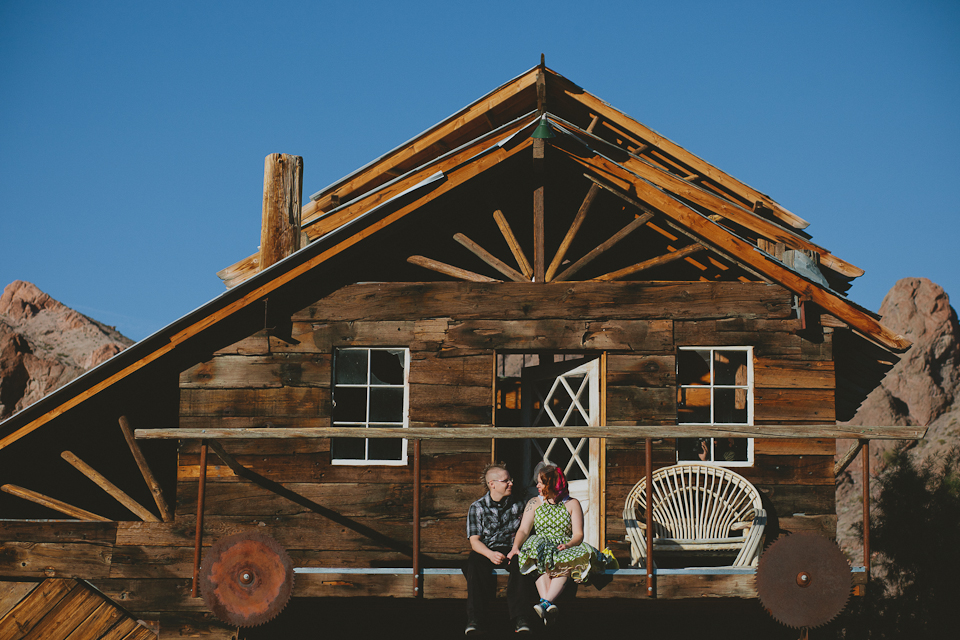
11,593
515,247
635,224
574,228
69,613
121,630
448,269
489,258
31,610
652,262
51,503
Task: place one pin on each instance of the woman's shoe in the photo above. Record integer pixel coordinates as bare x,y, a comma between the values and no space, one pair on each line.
550,614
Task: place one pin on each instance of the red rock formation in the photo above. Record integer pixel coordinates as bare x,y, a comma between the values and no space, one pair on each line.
45,344
922,389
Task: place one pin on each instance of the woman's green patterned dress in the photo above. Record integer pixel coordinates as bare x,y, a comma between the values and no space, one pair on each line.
539,552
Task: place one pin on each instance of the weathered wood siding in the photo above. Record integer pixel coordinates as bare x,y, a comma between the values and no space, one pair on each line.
453,331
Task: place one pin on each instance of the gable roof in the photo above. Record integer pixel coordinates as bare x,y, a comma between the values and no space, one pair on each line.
714,210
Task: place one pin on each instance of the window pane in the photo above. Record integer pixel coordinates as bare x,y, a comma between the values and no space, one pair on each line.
730,367
386,367
693,449
386,404
693,367
730,449
347,448
693,405
351,366
726,409
385,448
350,404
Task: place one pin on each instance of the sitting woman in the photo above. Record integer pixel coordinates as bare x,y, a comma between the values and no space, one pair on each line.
557,549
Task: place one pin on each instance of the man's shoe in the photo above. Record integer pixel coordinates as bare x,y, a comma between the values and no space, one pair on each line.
473,628
521,625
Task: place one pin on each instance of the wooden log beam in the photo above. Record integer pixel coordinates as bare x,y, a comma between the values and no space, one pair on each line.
113,490
650,137
282,195
733,212
653,262
572,231
720,237
633,431
148,476
52,503
448,269
489,258
515,247
635,224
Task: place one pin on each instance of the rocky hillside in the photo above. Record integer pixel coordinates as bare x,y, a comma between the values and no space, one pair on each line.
45,344
922,389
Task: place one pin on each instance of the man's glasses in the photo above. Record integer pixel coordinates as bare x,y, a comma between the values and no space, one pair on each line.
510,481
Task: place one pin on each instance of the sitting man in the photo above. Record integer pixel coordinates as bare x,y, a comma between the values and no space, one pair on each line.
492,523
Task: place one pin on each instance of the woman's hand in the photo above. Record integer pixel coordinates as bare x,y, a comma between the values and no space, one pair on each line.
513,552
564,545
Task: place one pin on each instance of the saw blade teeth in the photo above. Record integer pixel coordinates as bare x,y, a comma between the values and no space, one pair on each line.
803,580
246,579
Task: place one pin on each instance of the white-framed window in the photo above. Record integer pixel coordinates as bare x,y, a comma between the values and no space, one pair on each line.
715,387
370,389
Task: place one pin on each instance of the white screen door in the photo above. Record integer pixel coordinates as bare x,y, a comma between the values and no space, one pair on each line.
566,394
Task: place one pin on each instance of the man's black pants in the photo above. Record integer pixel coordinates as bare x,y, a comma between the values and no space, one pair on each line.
482,586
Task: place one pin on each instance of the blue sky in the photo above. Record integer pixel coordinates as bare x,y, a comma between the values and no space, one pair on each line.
132,134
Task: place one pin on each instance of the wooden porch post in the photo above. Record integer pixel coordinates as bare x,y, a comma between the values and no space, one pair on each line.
866,507
198,538
417,578
651,590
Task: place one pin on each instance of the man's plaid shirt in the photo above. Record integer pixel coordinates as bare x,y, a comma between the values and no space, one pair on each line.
496,524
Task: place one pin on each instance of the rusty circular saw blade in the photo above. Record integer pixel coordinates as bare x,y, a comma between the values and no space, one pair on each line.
246,579
803,580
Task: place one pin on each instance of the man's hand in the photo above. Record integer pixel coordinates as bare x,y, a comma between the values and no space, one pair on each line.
496,557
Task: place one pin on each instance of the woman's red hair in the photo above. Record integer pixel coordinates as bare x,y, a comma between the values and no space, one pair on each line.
554,483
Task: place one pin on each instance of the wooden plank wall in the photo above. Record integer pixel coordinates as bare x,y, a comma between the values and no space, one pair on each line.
453,331
57,609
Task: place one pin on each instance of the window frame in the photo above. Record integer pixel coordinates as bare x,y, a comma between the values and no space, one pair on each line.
367,423
749,387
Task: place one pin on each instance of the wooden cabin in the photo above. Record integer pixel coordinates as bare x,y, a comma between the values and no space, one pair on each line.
539,260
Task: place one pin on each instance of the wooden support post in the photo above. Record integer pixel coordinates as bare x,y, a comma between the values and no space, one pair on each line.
115,492
282,195
448,269
651,587
865,451
515,249
572,231
417,577
847,458
198,538
489,258
151,481
52,503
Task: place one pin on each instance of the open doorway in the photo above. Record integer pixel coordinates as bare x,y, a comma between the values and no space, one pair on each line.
557,390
